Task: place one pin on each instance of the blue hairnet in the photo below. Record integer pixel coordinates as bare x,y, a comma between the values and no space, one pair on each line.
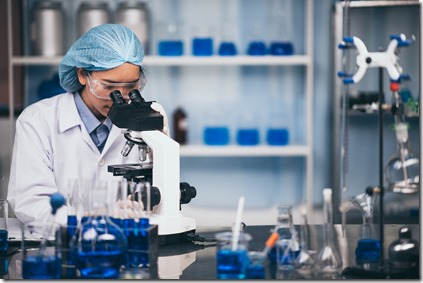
101,48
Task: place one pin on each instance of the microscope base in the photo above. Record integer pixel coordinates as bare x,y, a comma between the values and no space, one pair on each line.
174,238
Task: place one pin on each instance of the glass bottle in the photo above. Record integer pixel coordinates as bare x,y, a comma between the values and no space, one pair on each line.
328,261
287,247
99,245
180,125
368,246
404,256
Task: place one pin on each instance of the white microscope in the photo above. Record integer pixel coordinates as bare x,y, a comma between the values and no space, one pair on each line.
158,167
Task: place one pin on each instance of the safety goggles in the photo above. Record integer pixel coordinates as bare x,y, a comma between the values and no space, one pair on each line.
102,90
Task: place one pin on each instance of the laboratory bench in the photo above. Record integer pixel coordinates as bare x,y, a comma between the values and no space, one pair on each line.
197,261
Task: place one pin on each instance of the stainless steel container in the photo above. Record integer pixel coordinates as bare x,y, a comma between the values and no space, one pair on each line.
135,16
92,14
47,28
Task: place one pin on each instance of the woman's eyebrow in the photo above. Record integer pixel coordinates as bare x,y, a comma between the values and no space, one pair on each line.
115,82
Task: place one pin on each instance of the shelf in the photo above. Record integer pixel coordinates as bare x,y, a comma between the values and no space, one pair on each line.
240,60
247,151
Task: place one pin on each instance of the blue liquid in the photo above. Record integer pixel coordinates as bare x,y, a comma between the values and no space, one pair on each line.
231,264
4,266
202,46
216,135
138,250
72,224
277,136
137,236
255,271
4,240
41,267
287,260
99,265
227,49
281,48
248,137
171,48
144,223
256,48
367,251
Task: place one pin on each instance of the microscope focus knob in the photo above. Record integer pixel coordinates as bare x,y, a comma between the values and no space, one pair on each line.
187,193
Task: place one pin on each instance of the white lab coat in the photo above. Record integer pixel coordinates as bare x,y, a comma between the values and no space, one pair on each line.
51,147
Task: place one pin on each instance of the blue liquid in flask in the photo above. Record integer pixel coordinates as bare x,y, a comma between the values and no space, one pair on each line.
248,137
255,271
281,48
39,267
4,241
99,264
256,48
277,136
202,46
227,49
367,251
216,135
171,48
231,264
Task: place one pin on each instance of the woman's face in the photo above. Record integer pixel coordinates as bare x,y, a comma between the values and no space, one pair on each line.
98,85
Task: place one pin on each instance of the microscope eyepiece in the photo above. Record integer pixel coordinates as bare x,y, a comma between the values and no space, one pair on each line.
136,97
117,98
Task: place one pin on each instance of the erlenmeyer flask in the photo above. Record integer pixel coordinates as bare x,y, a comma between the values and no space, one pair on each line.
98,245
368,246
287,247
328,259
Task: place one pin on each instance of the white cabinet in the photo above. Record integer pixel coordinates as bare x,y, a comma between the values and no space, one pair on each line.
171,78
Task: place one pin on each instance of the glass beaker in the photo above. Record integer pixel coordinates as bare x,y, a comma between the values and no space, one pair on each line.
202,41
328,260
368,246
4,235
216,129
278,121
170,42
41,260
248,130
281,35
232,264
255,268
98,246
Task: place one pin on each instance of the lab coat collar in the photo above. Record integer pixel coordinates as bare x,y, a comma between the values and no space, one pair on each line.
68,116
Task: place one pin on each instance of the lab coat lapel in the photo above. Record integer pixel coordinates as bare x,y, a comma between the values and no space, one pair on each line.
114,135
69,117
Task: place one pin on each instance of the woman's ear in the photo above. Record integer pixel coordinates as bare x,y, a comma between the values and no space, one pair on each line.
82,76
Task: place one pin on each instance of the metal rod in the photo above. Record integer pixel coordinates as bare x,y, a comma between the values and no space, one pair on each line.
381,224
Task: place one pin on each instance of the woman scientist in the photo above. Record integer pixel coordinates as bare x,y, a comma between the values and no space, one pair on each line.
69,136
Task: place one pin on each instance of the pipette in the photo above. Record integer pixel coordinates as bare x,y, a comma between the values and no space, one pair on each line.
270,243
